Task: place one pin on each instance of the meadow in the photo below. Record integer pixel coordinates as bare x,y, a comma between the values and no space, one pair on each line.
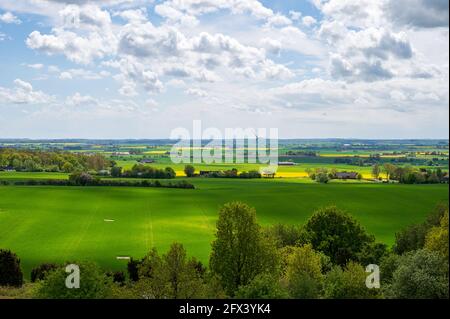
43,224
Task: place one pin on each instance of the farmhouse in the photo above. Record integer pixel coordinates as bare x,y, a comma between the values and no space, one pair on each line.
347,175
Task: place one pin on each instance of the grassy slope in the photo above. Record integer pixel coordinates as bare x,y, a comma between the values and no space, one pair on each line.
63,223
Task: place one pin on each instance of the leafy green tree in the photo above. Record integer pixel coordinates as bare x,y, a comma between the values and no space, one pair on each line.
240,252
413,237
10,271
304,273
94,284
376,171
348,283
116,171
263,286
437,237
189,170
420,274
171,276
336,234
285,235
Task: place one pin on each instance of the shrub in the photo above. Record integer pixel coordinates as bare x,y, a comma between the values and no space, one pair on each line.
40,272
10,271
94,284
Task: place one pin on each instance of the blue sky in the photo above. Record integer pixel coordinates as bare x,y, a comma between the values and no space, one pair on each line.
139,69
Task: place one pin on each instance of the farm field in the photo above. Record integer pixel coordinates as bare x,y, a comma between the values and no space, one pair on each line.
44,224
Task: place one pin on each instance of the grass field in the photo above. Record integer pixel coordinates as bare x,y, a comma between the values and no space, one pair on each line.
43,224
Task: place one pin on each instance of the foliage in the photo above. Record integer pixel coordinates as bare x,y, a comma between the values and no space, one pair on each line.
303,276
40,272
171,276
10,271
413,237
420,274
285,235
94,284
348,283
336,234
54,161
240,252
189,170
144,171
437,237
263,286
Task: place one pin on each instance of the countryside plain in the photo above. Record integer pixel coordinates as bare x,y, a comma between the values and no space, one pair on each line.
44,223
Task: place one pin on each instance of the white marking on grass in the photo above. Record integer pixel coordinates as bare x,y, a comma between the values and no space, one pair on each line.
123,257
108,220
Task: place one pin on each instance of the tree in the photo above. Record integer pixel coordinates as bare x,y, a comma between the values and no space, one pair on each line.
284,235
240,252
348,283
413,237
304,273
189,170
171,276
116,171
420,274
389,170
336,234
263,286
322,177
10,271
437,237
376,170
94,284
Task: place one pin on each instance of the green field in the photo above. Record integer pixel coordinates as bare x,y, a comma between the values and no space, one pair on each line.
43,224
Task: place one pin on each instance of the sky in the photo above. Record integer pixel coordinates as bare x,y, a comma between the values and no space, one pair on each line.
139,69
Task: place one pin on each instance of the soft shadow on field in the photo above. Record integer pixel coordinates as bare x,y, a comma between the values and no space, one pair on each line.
44,224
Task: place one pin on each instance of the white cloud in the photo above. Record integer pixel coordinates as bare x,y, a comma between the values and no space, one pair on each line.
81,100
418,13
8,18
82,74
196,92
23,93
309,21
36,66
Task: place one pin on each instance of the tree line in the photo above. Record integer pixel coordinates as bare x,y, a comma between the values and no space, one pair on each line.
324,258
55,161
410,175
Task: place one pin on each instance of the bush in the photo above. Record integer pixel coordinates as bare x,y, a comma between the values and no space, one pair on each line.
40,272
189,170
94,284
10,272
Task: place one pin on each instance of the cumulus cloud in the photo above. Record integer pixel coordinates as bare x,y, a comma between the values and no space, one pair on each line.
85,34
23,93
78,99
419,13
8,18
